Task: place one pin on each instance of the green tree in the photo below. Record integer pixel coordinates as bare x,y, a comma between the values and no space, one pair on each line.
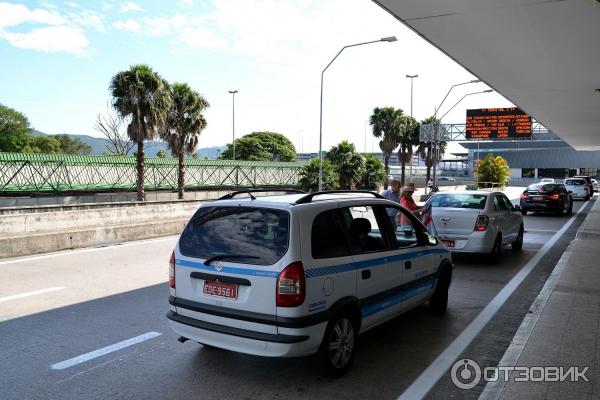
348,164
261,146
384,122
69,145
408,137
184,124
142,97
56,144
374,175
14,130
309,176
492,170
161,153
42,144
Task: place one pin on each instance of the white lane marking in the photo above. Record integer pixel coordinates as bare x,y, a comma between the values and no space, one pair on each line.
86,250
105,350
493,390
540,230
27,294
428,378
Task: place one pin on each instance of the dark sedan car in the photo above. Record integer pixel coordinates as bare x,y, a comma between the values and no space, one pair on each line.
547,197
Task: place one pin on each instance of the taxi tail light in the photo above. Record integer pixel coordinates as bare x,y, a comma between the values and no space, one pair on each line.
481,224
172,271
554,197
291,286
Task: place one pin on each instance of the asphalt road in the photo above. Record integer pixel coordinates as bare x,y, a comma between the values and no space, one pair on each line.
56,308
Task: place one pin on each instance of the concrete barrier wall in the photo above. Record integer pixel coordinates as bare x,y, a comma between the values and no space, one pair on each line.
43,229
116,197
52,219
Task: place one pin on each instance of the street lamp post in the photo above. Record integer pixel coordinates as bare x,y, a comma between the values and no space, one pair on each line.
436,125
412,78
385,39
233,92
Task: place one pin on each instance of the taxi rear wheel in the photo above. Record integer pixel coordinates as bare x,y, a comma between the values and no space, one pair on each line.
339,345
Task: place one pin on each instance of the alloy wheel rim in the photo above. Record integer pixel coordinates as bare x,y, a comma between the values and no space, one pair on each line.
341,344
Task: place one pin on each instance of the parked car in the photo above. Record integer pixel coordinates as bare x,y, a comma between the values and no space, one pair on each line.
595,185
477,222
446,178
547,180
547,197
579,188
588,181
296,274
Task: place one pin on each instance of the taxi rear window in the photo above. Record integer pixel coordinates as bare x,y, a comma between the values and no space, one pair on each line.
476,201
260,234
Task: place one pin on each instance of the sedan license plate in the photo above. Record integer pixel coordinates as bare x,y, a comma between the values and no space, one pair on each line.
448,243
537,198
220,289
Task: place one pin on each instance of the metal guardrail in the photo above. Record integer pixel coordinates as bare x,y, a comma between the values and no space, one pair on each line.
59,173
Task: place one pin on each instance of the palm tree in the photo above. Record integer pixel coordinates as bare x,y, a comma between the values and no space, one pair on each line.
184,124
141,96
408,138
385,126
349,165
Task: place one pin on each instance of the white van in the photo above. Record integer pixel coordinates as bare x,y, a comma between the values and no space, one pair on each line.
297,274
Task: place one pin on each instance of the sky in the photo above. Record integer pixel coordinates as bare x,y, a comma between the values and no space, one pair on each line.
58,57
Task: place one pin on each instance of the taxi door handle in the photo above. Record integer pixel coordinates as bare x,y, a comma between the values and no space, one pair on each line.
407,265
366,274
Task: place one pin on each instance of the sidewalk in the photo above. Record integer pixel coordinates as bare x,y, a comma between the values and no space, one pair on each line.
562,327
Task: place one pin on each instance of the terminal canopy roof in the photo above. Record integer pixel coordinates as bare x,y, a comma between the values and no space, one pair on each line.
543,55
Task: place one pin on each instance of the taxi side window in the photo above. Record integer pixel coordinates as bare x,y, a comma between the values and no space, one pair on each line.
499,204
365,228
328,236
507,203
406,233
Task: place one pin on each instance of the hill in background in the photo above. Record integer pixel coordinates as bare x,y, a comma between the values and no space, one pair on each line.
98,146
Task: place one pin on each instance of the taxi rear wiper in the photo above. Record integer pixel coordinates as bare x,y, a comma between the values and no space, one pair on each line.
230,256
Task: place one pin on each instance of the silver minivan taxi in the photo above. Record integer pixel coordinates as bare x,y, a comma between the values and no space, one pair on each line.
295,275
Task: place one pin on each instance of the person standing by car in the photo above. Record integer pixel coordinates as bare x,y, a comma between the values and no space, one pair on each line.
393,194
407,201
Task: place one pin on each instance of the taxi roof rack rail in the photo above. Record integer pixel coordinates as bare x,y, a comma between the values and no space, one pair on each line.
249,192
309,197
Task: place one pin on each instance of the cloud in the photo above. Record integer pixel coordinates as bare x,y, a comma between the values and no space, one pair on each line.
16,14
51,39
62,33
130,6
186,2
129,25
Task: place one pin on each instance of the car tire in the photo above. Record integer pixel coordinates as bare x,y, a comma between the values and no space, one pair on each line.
524,211
438,303
496,252
587,198
339,345
570,209
518,244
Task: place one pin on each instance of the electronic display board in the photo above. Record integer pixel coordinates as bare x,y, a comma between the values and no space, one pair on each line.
498,123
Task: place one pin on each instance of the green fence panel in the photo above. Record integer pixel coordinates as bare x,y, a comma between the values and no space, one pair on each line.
57,173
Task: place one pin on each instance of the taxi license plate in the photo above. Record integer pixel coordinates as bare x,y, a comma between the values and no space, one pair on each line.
219,289
448,243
